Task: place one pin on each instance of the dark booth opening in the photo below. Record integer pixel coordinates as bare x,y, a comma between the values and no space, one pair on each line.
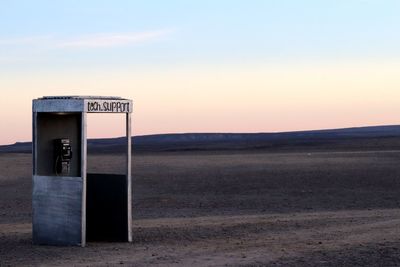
106,207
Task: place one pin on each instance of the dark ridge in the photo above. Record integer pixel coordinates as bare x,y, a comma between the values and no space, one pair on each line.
360,138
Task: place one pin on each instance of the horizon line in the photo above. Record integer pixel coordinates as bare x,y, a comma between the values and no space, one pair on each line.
272,132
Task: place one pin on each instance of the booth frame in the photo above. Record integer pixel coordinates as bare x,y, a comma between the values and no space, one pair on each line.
51,221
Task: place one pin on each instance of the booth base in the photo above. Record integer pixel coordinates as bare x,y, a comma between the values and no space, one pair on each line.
57,210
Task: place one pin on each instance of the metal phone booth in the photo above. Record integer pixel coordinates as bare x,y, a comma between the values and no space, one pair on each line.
71,206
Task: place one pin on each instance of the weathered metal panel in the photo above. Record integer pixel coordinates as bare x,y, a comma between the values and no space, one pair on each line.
57,210
58,105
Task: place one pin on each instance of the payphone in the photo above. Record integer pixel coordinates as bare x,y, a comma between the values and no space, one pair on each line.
62,156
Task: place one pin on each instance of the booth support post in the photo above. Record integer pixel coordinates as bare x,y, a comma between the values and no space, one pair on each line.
84,173
128,172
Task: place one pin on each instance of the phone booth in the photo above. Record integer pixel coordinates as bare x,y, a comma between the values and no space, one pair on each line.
71,206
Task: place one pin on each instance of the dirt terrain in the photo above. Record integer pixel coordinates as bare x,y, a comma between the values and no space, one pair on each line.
248,208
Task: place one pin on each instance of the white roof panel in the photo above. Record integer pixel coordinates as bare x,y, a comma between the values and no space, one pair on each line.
89,104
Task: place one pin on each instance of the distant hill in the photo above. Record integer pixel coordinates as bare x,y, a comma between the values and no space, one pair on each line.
360,138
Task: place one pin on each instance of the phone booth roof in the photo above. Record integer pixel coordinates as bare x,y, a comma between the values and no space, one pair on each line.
85,104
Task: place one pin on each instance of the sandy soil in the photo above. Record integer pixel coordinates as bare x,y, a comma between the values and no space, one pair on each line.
216,209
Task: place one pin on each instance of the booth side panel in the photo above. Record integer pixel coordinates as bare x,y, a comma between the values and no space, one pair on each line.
34,156
58,210
57,197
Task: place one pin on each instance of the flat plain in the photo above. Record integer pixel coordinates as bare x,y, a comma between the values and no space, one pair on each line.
224,208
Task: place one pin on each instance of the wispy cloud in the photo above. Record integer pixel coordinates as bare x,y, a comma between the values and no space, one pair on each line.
102,40
110,40
30,40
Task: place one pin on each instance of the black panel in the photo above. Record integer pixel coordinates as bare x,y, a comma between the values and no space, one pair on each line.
106,208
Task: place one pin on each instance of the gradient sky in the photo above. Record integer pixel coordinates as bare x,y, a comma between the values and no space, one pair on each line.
204,66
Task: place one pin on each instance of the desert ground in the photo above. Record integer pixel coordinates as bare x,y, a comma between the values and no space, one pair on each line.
243,208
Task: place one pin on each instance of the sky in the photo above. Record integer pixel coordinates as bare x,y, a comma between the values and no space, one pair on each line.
204,66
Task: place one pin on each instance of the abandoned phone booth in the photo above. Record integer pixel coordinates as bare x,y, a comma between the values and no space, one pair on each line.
71,206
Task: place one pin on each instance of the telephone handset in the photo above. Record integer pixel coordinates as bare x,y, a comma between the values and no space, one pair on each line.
62,156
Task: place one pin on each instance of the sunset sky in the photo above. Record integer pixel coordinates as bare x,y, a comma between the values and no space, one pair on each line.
204,66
